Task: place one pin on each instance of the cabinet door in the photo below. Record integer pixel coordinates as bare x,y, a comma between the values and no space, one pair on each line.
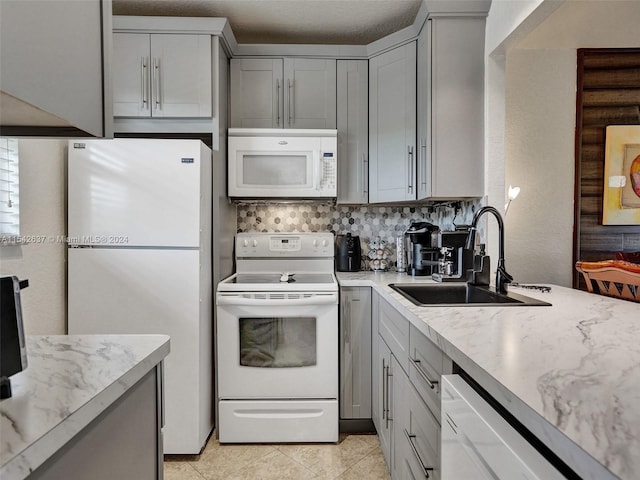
392,125
309,93
417,439
376,409
353,134
131,75
385,400
400,416
355,353
257,94
181,75
457,107
423,152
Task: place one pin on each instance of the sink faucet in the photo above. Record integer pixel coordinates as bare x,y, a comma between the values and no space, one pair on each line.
502,277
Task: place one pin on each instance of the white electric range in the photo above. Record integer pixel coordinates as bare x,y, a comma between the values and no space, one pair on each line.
277,340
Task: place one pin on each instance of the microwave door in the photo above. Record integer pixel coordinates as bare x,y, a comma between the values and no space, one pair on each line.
275,174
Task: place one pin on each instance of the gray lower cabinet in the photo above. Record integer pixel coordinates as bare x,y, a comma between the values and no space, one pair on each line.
407,368
124,442
355,353
283,93
417,439
384,369
376,369
353,134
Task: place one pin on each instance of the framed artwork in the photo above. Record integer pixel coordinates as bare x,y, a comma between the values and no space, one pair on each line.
621,197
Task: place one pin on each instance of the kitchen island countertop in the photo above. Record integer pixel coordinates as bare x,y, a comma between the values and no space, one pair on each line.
69,381
569,372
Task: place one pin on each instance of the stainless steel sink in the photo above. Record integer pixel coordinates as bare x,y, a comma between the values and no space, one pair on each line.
461,295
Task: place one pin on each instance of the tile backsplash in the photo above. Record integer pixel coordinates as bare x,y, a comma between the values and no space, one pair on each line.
367,221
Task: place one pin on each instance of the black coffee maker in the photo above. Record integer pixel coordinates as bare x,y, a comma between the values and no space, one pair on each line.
454,258
348,253
422,248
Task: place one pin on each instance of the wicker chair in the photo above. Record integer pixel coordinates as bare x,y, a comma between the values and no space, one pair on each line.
614,278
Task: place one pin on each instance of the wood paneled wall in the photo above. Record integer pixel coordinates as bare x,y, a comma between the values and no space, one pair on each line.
608,93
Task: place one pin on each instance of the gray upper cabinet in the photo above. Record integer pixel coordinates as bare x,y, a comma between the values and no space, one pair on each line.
256,93
353,135
54,67
283,93
392,125
451,108
162,75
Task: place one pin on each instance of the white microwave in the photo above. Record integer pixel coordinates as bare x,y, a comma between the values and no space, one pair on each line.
282,163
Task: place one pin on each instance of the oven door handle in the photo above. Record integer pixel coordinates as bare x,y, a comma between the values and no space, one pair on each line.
250,300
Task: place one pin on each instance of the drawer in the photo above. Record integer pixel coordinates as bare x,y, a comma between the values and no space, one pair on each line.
394,329
419,443
426,365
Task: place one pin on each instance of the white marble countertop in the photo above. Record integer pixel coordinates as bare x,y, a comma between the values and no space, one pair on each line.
69,381
568,371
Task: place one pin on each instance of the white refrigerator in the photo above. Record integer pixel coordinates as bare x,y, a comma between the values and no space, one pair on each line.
140,261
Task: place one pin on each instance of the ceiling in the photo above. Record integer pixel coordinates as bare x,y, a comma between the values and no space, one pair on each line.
337,22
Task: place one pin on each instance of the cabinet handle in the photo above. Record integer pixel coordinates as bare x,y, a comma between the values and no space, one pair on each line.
423,160
384,395
277,102
388,419
365,174
156,73
410,158
143,81
347,324
432,383
425,469
291,89
384,390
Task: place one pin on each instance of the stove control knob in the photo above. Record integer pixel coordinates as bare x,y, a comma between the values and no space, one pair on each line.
245,243
255,242
315,242
324,243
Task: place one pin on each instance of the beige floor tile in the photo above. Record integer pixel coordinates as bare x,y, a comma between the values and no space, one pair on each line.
355,457
274,466
368,439
218,462
329,460
174,470
372,467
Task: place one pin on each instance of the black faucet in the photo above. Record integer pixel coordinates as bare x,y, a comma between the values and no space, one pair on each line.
502,277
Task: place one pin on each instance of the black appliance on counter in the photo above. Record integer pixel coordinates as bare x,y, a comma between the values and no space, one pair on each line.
454,258
348,253
13,350
422,248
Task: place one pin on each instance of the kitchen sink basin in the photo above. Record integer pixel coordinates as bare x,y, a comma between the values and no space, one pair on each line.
460,295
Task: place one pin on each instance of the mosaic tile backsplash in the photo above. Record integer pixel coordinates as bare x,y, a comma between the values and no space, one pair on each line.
367,221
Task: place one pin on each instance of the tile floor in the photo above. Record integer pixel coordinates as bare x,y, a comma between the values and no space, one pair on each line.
355,457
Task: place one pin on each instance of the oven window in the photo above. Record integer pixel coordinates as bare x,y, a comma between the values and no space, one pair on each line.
274,170
277,342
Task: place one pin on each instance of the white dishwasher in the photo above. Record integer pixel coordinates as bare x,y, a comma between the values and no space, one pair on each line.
478,443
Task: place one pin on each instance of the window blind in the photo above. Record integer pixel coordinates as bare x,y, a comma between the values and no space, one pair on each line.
9,191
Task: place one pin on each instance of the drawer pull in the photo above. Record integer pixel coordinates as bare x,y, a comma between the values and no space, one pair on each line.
432,383
410,438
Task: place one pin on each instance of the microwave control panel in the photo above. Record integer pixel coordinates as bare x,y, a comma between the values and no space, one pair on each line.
329,167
